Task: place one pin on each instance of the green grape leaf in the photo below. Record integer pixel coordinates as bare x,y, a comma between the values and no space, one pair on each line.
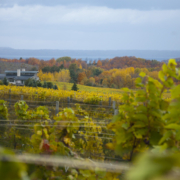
142,74
173,126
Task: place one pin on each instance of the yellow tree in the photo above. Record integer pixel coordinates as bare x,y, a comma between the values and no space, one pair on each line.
80,66
81,76
56,75
92,80
40,75
99,63
63,76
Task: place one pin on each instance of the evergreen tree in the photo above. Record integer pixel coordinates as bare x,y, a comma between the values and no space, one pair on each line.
5,81
30,83
55,87
39,84
26,83
34,83
74,87
45,84
49,85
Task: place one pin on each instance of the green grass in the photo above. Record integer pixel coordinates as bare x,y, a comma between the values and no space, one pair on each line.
97,89
88,88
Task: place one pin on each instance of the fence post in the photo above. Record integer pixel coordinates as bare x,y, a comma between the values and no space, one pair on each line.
22,97
114,104
101,101
68,99
116,112
36,99
109,101
57,107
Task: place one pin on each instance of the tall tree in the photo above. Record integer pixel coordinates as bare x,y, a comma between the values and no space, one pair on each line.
99,63
74,87
5,81
65,58
74,70
81,76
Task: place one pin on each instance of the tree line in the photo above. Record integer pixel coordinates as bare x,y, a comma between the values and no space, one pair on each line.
112,73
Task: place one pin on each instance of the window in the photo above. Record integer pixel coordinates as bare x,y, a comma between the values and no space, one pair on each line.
11,80
11,74
27,74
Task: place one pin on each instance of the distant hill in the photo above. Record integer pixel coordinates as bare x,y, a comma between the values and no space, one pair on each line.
47,54
13,66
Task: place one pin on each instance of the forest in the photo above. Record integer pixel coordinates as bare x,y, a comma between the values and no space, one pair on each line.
112,73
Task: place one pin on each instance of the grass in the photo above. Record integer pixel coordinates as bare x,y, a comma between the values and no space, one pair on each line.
61,85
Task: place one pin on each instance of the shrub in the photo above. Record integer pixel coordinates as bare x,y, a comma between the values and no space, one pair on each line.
55,87
45,84
5,81
49,85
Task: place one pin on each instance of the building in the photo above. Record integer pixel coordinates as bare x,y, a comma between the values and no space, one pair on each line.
19,77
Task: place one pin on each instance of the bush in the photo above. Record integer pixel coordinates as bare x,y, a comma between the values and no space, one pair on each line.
39,84
5,81
26,83
113,86
49,85
55,87
34,83
45,84
30,83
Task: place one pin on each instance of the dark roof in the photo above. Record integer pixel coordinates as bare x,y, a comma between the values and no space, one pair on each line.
22,71
9,77
22,77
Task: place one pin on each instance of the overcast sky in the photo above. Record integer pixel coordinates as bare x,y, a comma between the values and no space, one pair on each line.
90,24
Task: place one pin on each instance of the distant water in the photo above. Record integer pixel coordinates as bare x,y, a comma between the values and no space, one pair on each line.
89,58
88,55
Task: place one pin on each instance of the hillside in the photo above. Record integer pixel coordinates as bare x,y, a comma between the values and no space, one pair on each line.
12,66
68,86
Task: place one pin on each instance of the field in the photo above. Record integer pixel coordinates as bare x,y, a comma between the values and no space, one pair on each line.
61,85
84,88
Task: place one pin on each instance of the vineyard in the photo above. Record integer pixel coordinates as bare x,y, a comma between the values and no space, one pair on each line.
42,94
61,134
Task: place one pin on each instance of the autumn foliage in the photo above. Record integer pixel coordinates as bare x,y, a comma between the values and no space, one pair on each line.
112,73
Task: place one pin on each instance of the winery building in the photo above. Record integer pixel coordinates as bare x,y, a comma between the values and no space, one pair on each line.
19,77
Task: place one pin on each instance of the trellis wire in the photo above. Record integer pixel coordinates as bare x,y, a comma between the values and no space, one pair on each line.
74,134
99,133
93,136
35,121
28,125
